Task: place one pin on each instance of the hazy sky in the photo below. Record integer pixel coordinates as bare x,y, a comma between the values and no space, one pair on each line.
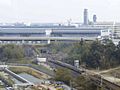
57,10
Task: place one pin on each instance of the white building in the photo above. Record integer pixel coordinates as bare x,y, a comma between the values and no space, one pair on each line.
40,60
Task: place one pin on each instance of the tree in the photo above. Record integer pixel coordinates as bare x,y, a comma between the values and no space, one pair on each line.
83,83
63,74
11,52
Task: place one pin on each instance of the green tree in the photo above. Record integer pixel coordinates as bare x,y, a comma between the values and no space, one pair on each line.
11,52
83,83
63,74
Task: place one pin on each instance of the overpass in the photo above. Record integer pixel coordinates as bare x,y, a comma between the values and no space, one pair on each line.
95,77
48,38
40,40
39,34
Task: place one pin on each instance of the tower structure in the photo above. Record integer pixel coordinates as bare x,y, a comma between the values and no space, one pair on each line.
94,18
85,16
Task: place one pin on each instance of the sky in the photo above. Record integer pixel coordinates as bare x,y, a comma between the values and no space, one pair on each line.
47,11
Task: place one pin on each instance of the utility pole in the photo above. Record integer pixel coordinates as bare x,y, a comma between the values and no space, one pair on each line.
115,76
101,82
71,84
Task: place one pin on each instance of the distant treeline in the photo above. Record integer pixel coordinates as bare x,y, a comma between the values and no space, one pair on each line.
91,54
94,54
15,52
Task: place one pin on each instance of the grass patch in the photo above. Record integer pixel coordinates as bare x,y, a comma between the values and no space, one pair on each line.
21,61
43,68
23,69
